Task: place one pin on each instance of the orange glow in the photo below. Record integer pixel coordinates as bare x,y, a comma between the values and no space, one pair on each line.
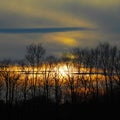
65,73
63,70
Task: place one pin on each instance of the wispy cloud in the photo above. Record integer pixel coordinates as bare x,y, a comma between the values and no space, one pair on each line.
42,30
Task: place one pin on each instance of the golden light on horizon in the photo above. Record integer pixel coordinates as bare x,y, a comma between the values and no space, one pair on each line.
83,80
60,71
63,70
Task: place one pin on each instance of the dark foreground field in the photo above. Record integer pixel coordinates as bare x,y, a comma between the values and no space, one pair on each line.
36,111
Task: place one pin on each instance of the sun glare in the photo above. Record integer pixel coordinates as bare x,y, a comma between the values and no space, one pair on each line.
63,70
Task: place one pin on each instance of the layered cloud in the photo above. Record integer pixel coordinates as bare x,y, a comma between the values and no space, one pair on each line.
58,24
41,30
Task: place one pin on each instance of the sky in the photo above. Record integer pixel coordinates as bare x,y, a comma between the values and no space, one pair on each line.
58,25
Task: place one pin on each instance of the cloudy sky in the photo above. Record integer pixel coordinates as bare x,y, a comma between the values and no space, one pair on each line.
58,24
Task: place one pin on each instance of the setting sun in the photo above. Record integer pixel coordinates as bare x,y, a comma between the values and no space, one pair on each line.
63,70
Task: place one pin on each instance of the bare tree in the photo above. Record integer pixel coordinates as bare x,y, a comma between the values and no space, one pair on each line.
111,70
5,76
105,56
58,84
24,84
70,81
79,63
10,77
1,87
96,62
34,57
117,69
49,65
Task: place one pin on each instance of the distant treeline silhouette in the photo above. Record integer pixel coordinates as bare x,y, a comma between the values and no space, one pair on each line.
80,76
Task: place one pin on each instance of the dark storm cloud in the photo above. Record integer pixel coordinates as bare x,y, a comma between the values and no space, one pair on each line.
41,30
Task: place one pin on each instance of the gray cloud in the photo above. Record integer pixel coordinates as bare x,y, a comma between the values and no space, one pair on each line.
106,19
42,30
10,19
14,23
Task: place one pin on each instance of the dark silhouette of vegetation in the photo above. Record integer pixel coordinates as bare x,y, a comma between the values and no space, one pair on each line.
82,82
34,58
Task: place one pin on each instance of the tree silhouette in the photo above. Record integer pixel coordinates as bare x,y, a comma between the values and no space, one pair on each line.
34,57
10,77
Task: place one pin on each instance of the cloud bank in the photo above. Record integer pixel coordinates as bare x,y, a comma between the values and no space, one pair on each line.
48,21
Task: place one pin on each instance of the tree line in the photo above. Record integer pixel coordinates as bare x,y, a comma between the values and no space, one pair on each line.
79,75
